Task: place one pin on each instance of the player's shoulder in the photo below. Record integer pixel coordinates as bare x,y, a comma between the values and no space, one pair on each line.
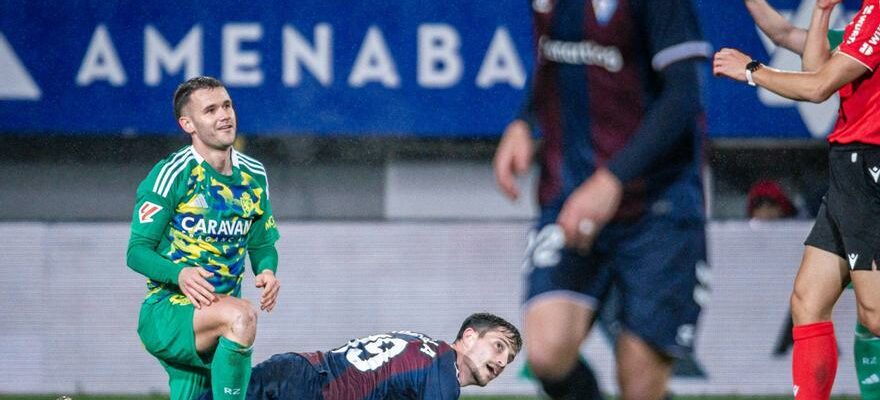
248,163
165,172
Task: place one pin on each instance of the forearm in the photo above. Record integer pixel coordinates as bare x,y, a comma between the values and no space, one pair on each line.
264,258
143,258
799,86
817,50
664,126
776,27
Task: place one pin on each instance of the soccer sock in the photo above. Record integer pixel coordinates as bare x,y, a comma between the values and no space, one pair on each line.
814,360
230,370
866,349
580,384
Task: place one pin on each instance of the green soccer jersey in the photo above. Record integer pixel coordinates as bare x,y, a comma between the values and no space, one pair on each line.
201,218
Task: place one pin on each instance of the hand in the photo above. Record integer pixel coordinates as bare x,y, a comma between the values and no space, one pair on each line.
194,285
513,157
270,285
731,63
826,4
589,208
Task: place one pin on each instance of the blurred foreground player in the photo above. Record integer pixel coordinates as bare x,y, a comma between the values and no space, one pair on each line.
616,96
396,365
197,214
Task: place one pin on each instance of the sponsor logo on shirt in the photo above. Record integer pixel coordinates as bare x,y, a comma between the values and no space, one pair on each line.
197,225
858,27
586,52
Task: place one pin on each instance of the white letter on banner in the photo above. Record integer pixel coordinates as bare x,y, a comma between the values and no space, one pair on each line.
240,67
374,62
101,61
440,64
158,54
502,63
317,60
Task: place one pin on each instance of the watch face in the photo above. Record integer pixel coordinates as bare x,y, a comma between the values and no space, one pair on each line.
753,65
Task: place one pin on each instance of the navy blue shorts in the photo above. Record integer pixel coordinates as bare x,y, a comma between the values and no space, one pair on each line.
287,376
657,265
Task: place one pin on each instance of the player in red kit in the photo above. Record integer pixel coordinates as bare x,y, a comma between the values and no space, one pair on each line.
844,244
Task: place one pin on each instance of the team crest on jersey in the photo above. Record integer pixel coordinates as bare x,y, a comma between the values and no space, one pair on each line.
542,6
604,10
247,205
147,211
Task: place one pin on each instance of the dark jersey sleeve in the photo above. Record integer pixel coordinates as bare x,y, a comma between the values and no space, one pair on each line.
677,49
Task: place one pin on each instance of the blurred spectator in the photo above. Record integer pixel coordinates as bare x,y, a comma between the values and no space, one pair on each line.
767,201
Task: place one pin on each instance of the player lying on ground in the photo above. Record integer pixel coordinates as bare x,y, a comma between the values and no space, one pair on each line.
396,365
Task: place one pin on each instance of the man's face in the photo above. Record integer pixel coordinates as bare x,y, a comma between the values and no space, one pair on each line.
209,118
486,356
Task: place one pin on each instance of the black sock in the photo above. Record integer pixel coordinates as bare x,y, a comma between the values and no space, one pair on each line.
580,384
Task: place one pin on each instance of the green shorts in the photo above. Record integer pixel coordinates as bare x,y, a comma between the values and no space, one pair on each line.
166,330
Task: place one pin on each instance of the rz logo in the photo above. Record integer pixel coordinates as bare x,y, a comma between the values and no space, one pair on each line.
232,391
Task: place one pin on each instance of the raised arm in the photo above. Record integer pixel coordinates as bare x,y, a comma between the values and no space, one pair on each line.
818,50
780,31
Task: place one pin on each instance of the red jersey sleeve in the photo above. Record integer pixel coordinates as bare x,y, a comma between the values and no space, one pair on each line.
862,35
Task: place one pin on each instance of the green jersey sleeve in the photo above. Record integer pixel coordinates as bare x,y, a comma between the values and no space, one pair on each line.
155,202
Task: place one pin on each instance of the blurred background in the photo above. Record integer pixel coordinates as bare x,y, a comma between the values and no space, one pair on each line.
377,123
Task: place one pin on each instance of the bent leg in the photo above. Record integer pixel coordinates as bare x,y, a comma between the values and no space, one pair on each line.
867,285
186,383
229,326
866,351
555,327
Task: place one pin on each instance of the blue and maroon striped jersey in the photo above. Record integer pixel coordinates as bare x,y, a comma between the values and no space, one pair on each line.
397,365
599,73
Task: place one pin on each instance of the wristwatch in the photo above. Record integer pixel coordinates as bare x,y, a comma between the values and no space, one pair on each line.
753,66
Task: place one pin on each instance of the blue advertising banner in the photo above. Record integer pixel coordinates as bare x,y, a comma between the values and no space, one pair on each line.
320,67
330,67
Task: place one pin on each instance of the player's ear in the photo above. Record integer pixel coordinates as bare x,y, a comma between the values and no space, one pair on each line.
186,124
470,336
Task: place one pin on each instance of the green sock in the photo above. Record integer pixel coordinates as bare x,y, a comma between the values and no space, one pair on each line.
230,370
866,350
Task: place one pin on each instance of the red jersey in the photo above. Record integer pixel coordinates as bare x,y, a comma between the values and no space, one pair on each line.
857,119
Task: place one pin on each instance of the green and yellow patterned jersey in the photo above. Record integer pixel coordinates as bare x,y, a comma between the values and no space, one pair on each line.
201,218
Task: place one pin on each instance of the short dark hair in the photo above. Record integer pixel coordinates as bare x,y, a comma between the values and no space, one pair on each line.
485,322
185,89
